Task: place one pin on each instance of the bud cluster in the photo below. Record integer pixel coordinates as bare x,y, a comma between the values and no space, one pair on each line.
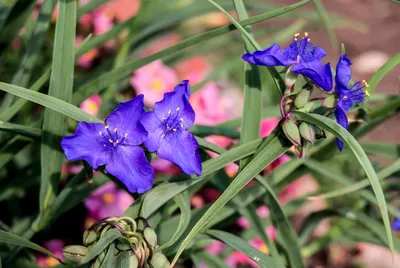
301,134
137,239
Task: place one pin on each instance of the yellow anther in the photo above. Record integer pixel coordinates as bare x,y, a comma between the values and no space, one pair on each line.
169,111
308,39
115,129
110,140
106,127
367,93
296,34
126,135
305,34
365,83
295,39
177,108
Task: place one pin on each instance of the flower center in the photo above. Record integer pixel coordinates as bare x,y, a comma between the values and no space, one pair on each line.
113,137
173,121
158,84
108,198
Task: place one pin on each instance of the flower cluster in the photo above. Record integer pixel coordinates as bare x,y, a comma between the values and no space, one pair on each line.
117,144
301,57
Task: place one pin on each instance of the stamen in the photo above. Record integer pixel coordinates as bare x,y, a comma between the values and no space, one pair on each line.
126,135
305,34
100,133
117,141
367,93
296,34
365,83
174,129
164,118
182,126
181,119
115,129
177,108
169,111
308,39
110,140
105,145
105,126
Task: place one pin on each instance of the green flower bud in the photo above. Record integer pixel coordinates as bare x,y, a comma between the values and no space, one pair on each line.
75,253
123,245
133,261
292,132
96,264
159,261
302,98
102,256
307,132
89,237
150,236
330,102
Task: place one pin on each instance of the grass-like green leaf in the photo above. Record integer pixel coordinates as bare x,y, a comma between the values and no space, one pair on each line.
387,150
10,238
384,70
337,130
123,260
326,21
183,202
275,148
285,230
241,245
108,261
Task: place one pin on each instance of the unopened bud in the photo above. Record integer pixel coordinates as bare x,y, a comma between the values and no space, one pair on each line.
133,261
292,132
123,246
307,132
89,237
150,236
159,261
96,264
75,253
302,98
330,102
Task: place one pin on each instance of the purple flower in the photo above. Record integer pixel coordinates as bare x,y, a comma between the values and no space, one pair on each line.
305,58
168,131
115,144
348,95
396,224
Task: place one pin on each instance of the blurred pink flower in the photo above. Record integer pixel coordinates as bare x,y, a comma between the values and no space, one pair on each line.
161,43
108,201
197,201
162,166
262,212
194,69
238,258
102,21
55,246
92,104
215,248
86,60
123,9
153,80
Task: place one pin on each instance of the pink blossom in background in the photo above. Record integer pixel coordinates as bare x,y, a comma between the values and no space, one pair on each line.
123,9
153,80
108,201
262,212
102,21
161,43
55,246
237,258
194,69
215,248
91,105
86,60
162,166
197,201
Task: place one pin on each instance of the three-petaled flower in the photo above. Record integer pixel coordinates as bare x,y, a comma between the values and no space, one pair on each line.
115,144
348,95
168,131
305,58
